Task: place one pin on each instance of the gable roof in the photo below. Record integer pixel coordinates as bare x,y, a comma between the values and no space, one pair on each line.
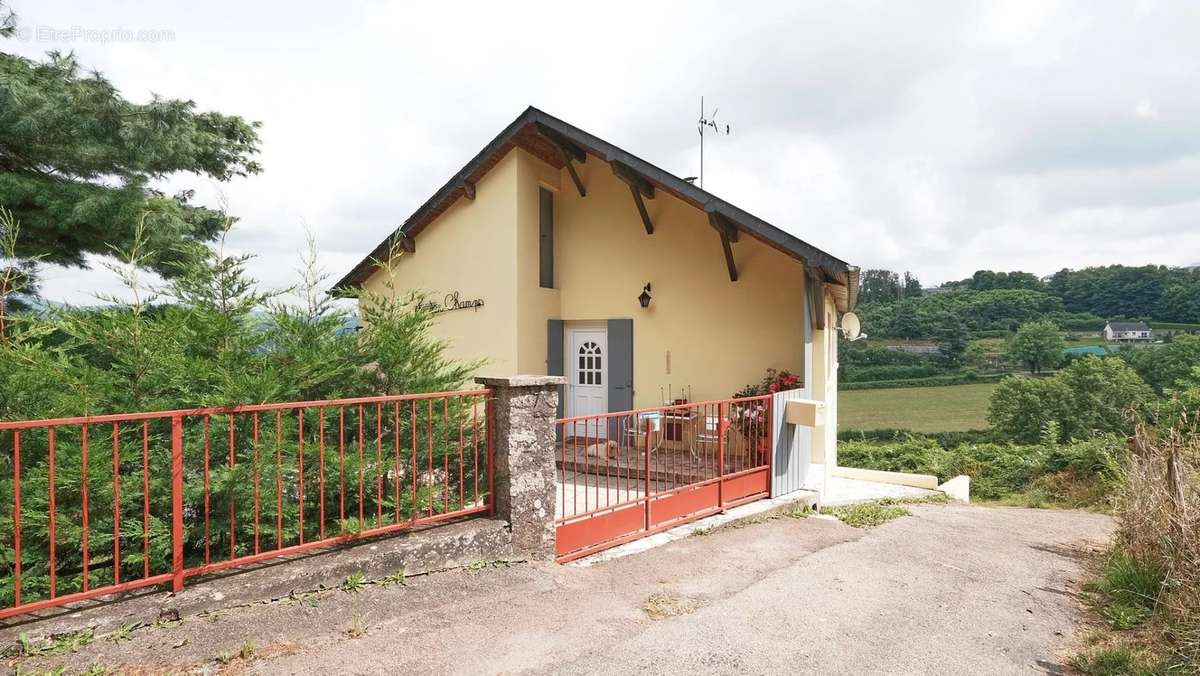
1128,326
537,132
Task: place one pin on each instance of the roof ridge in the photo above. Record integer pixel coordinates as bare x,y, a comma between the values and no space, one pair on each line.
710,203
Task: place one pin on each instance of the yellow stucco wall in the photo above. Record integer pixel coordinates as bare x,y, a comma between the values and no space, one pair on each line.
721,335
472,249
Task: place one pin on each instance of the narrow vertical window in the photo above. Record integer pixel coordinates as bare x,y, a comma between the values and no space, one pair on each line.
546,239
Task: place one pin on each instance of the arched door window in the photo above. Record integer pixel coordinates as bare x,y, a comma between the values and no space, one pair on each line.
590,369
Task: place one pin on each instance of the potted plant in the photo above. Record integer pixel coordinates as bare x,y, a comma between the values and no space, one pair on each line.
750,417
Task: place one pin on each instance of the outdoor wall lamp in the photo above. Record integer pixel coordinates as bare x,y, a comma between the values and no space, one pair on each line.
644,296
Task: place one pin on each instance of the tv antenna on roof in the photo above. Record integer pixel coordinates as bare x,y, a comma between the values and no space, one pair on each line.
707,122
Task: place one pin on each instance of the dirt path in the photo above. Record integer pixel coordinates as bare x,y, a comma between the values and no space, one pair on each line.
949,590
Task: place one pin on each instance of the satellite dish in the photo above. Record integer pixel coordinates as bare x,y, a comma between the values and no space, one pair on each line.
851,327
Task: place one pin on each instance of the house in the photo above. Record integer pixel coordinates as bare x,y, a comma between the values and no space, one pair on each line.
1117,331
555,252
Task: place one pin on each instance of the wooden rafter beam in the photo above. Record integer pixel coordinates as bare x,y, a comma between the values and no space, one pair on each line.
639,188
574,174
729,234
567,146
641,207
729,264
816,299
568,152
406,244
634,179
723,225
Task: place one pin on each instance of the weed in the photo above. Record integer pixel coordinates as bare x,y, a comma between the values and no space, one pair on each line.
246,652
1130,582
661,605
1115,661
168,619
24,647
123,632
354,582
56,671
867,514
798,511
309,599
97,670
396,578
57,644
213,616
477,565
1124,617
358,626
249,648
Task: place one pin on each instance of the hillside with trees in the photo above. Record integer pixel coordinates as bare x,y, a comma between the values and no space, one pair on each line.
894,305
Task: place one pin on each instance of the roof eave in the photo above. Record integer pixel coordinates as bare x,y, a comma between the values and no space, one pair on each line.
756,227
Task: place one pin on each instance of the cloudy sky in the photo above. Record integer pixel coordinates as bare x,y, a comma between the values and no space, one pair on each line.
940,137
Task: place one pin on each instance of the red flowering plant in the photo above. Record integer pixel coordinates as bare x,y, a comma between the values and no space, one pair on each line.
750,417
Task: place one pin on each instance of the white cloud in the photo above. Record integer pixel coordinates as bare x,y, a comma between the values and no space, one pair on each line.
941,137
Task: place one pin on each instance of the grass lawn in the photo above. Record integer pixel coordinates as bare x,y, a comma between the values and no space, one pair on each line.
920,409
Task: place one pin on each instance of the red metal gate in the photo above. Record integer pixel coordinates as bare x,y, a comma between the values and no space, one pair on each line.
112,503
625,475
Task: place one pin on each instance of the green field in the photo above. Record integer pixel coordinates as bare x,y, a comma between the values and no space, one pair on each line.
920,409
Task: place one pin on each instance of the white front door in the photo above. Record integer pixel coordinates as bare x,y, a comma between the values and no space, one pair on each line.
587,366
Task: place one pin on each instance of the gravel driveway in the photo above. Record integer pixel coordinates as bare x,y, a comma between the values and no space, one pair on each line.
949,590
952,590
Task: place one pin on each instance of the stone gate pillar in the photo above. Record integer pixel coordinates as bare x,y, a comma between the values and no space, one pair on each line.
524,434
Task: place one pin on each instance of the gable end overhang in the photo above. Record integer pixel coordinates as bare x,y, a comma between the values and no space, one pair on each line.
543,136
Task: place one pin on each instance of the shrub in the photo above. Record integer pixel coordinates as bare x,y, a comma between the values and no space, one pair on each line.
948,440
889,372
865,354
216,340
1000,471
1080,322
1091,396
964,377
1164,366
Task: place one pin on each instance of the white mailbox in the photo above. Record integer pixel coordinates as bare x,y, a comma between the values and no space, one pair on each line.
805,412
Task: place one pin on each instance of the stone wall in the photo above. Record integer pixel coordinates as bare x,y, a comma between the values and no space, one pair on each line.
524,430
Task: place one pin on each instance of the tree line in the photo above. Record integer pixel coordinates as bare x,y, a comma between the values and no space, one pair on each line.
895,305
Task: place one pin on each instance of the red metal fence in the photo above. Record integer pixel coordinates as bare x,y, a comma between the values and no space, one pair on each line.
626,475
113,503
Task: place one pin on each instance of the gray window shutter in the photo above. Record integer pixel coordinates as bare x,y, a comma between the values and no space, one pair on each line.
620,364
546,239
554,356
